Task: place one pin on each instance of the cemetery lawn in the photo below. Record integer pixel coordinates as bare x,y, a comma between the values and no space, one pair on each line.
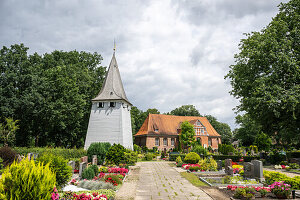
193,179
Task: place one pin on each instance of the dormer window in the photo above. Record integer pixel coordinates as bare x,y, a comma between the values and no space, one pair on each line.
101,105
156,130
112,104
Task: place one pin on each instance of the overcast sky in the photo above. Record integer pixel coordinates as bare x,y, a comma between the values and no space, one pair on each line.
170,53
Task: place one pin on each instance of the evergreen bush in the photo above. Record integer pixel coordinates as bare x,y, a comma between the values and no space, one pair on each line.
192,158
59,166
88,173
8,155
96,169
199,149
27,180
100,149
137,148
130,157
116,154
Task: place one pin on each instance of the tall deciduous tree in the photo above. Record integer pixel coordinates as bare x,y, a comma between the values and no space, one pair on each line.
50,94
8,129
222,128
185,110
187,135
266,75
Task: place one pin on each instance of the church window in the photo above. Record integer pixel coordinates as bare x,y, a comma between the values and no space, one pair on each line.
101,105
112,104
173,142
165,141
156,141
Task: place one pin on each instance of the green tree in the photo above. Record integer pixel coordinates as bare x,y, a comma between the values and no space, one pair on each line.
263,141
185,110
222,128
8,129
50,94
266,75
247,131
187,135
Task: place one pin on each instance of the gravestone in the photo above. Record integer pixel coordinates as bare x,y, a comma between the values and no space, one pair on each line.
30,156
248,170
72,164
84,159
219,164
230,171
82,166
95,160
258,170
228,163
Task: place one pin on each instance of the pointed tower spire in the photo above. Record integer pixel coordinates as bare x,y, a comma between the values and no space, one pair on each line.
112,88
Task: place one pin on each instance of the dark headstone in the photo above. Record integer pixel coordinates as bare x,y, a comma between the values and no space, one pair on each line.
258,170
248,170
219,164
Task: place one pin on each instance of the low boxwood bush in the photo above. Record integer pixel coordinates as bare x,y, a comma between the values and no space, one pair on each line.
100,149
8,155
65,153
88,173
27,180
116,154
172,157
272,177
192,158
59,166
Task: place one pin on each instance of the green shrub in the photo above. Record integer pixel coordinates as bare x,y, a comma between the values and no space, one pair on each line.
116,154
137,148
235,158
192,158
247,193
225,148
88,173
294,166
199,149
192,169
65,153
8,155
293,154
178,159
100,149
172,157
130,157
27,180
149,156
59,166
275,157
272,177
96,169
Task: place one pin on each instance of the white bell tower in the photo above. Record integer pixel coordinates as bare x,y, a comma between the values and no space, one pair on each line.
110,119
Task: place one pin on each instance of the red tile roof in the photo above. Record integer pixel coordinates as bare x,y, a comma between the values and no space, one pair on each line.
169,124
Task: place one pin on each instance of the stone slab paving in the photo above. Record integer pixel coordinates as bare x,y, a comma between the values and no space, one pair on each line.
158,180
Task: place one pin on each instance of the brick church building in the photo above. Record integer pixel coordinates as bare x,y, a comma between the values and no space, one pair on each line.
162,131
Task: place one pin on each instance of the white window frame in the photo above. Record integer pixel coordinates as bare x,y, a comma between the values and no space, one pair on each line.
165,141
172,141
157,142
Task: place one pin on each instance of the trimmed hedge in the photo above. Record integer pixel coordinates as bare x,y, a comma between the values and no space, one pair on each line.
65,153
293,154
235,158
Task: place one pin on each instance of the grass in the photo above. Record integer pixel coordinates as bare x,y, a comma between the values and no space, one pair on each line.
193,179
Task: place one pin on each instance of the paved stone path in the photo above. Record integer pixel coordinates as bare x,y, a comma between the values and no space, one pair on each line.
158,180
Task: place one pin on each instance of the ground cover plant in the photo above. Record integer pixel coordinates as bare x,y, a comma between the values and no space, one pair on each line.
27,180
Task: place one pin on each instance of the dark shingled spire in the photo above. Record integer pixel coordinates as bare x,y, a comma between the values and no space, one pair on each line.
112,88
